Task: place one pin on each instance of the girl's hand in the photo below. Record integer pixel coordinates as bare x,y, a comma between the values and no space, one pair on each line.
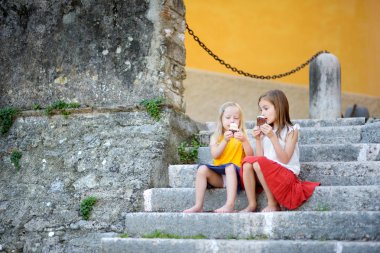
239,136
256,132
267,130
228,135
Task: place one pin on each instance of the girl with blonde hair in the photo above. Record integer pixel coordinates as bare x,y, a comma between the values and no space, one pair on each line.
229,144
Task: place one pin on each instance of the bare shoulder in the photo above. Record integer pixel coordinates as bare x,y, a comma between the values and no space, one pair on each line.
293,132
213,140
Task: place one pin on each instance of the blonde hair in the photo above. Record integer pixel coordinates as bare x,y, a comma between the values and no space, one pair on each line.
278,99
219,130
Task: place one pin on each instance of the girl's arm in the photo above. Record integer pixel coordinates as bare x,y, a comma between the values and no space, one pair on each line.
245,142
218,148
259,147
285,154
248,150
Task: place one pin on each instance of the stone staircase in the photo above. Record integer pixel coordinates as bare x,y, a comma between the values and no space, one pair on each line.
343,215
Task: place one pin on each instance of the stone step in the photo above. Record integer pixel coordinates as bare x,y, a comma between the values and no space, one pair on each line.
254,245
323,153
348,226
210,126
310,135
328,173
325,198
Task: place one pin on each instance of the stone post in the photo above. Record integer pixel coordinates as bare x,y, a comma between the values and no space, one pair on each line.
325,88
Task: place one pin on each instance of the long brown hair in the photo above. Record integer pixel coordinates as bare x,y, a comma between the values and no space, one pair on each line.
278,99
219,126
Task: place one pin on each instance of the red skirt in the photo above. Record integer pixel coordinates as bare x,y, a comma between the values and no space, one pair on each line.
286,187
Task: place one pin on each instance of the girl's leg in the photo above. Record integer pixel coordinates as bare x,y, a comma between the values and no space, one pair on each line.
250,187
204,175
231,188
272,202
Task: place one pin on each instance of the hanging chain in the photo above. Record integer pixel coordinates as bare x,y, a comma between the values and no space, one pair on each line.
241,72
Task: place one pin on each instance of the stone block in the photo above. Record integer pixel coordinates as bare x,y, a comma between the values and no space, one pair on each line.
325,198
256,245
279,225
311,135
323,153
328,173
371,133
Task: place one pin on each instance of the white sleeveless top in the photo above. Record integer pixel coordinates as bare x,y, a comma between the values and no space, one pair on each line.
269,152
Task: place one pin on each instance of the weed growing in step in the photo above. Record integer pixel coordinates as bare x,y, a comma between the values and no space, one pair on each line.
163,235
188,150
7,116
323,208
124,236
86,207
259,237
36,107
61,106
15,159
153,107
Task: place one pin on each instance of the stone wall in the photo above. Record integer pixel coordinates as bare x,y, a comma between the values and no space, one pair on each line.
113,156
97,53
107,56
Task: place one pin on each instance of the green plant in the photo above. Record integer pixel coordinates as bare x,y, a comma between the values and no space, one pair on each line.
260,237
7,117
15,158
65,114
323,208
163,235
61,106
124,236
153,107
86,207
199,236
188,150
36,107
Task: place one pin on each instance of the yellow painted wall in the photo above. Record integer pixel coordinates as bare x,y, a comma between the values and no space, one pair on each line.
273,36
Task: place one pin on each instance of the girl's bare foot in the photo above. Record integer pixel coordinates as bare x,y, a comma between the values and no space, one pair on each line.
271,209
248,209
225,209
194,209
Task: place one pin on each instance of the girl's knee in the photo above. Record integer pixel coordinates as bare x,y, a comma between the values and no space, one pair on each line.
256,167
247,168
202,170
230,169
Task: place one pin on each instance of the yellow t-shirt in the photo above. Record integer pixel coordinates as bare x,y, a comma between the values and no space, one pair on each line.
233,153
